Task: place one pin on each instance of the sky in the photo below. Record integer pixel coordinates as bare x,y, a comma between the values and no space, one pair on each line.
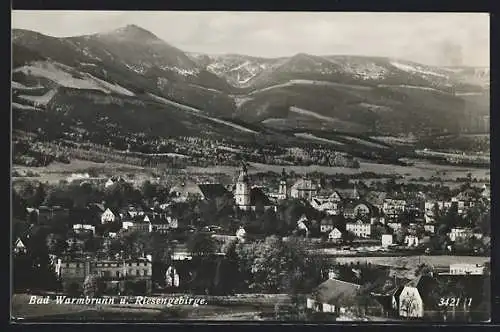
431,38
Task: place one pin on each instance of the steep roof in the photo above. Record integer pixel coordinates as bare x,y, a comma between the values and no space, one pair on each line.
257,195
213,190
337,292
304,184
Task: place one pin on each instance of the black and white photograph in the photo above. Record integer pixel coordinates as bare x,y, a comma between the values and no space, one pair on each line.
201,166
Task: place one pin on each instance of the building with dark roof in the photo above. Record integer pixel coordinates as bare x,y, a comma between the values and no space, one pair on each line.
333,296
248,198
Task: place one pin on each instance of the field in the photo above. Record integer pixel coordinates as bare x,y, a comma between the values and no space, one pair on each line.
412,262
419,169
55,172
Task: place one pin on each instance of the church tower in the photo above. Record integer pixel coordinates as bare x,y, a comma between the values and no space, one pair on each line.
242,192
283,189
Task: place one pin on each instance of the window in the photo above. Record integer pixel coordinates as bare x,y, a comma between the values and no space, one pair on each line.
145,272
118,274
137,273
129,264
77,265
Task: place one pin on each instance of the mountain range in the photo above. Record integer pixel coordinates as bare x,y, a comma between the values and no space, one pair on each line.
132,80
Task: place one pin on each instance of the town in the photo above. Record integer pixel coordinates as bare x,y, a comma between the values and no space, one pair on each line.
332,246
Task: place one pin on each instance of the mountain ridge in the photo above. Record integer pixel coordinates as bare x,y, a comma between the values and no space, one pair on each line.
375,93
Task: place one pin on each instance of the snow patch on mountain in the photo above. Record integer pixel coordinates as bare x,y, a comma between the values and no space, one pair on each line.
182,71
305,112
316,138
405,86
416,69
113,87
68,77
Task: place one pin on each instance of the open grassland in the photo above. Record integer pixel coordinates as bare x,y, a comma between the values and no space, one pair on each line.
412,262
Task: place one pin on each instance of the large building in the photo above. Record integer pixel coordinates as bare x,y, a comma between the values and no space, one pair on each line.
114,272
304,189
248,198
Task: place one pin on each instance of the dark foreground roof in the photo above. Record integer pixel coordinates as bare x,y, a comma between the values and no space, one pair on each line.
337,292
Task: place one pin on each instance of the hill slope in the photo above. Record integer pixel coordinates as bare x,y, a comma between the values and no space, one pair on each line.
303,92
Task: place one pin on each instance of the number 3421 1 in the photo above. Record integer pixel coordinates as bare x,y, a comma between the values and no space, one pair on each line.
455,301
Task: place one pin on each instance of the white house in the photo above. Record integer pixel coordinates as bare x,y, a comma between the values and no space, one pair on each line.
393,207
304,189
19,246
326,225
108,216
431,228
359,228
326,205
80,227
394,225
411,241
460,233
241,233
172,277
386,240
334,235
127,224
464,269
301,224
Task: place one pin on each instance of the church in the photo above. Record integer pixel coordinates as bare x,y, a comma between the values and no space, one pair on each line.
248,197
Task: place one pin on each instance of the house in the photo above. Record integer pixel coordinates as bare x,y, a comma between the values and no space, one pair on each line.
20,247
109,216
335,235
301,224
241,233
83,227
326,225
335,197
431,228
395,226
466,269
172,277
393,207
486,192
326,205
460,233
333,296
248,198
415,295
386,240
304,189
114,272
411,241
359,228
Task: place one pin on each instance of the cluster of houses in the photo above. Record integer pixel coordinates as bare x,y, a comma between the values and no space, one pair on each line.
405,298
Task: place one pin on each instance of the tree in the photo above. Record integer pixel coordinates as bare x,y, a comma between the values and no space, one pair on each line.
93,285
424,270
275,265
200,244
